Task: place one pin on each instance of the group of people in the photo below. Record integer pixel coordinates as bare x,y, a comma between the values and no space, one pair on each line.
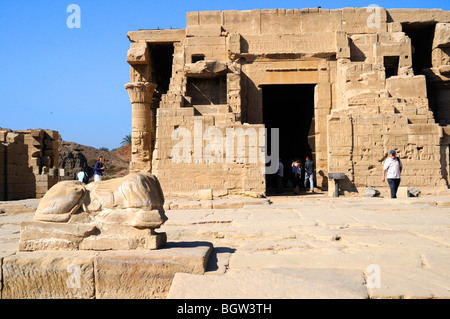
99,168
297,168
392,170
296,175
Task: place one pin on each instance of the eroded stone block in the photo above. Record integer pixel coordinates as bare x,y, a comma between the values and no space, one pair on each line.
143,275
48,275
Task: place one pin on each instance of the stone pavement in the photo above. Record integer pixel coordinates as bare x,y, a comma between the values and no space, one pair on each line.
308,246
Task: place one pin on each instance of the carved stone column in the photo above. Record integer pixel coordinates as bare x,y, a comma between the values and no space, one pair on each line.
141,94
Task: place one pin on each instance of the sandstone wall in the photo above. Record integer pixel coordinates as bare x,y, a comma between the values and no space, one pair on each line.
192,153
26,159
368,98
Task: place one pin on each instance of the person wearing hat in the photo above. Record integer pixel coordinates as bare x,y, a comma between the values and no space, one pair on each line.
391,170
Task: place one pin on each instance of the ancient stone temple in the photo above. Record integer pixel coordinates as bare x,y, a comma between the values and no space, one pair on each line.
215,105
28,163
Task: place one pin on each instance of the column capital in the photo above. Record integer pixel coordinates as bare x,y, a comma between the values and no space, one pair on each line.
140,92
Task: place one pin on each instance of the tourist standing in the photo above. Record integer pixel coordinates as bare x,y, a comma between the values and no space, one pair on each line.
392,170
309,172
82,176
297,172
99,169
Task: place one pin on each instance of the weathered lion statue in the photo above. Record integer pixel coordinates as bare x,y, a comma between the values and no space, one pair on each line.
135,199
119,213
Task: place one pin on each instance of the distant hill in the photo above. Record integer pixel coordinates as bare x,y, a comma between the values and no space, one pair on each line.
74,156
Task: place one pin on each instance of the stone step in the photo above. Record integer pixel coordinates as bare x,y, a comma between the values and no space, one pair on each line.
272,283
143,274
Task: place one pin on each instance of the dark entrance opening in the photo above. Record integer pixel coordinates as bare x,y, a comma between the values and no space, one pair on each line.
421,35
290,108
197,57
391,65
162,60
161,56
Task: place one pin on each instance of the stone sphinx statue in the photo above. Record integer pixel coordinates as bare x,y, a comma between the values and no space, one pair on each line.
120,213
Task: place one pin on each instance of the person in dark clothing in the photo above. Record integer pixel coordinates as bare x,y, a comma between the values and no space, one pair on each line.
99,169
309,173
297,174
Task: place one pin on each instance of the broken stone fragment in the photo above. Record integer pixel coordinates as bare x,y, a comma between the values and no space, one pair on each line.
138,55
445,70
413,192
441,35
371,192
205,69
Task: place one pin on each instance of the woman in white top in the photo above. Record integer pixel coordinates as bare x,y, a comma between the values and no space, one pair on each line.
391,170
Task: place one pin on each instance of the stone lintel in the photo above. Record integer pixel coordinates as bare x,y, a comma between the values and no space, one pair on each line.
157,36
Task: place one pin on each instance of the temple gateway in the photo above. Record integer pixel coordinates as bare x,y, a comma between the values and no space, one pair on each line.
217,104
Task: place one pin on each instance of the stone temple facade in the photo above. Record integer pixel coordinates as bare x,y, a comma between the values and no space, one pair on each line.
217,103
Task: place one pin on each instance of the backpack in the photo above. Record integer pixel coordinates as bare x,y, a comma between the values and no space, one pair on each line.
86,178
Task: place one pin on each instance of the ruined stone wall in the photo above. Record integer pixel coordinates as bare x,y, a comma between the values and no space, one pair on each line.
369,96
366,136
27,163
201,96
378,111
192,154
191,133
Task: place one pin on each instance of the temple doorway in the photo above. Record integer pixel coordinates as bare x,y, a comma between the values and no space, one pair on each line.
290,108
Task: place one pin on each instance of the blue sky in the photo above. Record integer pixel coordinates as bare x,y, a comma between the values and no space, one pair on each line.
72,80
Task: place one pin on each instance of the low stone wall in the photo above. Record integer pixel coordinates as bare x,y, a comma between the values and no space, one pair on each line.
100,274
